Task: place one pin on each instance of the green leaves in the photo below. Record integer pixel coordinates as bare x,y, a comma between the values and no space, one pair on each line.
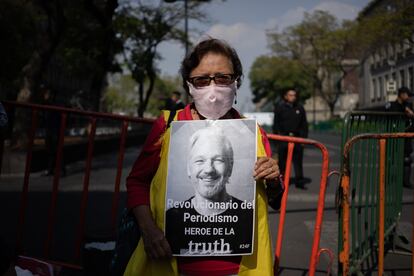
17,29
388,25
142,27
307,56
271,75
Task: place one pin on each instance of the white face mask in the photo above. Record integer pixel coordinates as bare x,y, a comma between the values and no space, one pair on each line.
213,101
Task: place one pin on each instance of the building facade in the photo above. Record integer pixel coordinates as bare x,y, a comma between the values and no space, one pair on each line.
387,68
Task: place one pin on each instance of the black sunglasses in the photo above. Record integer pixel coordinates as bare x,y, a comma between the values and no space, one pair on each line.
219,79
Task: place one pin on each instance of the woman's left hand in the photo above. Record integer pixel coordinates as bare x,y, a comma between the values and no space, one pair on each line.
266,168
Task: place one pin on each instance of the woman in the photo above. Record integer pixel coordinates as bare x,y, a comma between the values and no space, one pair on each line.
211,74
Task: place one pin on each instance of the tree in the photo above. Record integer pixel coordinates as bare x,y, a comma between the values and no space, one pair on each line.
17,29
58,43
119,95
163,88
142,27
270,76
389,24
320,45
49,27
104,13
72,39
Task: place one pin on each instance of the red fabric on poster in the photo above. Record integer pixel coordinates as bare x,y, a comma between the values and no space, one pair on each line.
36,266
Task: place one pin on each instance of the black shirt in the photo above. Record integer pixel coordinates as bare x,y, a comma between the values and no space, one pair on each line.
238,234
395,106
290,119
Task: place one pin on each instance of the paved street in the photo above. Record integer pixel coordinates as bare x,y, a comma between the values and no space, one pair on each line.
299,223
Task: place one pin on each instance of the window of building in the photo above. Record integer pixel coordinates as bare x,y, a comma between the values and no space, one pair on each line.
401,78
381,88
373,89
397,48
386,78
384,56
391,52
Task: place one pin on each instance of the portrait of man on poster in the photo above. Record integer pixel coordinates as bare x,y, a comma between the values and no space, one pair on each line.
211,221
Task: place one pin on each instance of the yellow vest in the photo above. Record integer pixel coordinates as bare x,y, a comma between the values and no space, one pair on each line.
257,264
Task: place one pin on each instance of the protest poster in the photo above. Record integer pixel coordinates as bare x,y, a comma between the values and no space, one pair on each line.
210,198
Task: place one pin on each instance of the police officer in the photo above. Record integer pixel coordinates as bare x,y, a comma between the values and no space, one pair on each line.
290,119
175,102
3,116
401,104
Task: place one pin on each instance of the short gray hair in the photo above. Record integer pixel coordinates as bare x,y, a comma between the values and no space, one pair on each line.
216,132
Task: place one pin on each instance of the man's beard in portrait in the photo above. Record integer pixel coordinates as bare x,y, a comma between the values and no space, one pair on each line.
209,187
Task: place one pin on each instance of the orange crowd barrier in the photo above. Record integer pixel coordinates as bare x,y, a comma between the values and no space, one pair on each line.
92,117
316,250
123,124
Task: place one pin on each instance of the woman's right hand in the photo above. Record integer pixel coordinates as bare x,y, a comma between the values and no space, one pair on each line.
155,244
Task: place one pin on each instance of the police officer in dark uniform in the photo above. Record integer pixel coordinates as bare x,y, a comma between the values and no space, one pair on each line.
175,102
52,129
290,119
401,104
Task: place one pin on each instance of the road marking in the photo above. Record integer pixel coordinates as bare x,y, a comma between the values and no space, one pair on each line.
332,146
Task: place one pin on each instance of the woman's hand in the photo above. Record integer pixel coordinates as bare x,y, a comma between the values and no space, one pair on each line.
266,168
155,244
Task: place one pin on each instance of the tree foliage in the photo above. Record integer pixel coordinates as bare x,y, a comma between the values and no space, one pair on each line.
163,88
142,27
119,95
57,42
386,25
17,31
270,76
317,46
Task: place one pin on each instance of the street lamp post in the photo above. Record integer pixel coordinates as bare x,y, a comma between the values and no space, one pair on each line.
185,32
185,21
185,27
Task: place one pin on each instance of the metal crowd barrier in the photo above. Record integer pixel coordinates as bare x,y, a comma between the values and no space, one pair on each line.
316,250
35,109
381,206
124,122
362,161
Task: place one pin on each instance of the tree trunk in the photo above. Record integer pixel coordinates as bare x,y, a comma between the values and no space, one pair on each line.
48,40
141,107
104,17
96,88
331,109
149,91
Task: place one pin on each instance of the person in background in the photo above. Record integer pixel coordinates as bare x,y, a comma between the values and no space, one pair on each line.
175,102
3,117
211,74
52,129
290,120
402,104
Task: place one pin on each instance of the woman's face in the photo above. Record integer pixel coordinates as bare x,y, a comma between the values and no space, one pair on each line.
212,64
